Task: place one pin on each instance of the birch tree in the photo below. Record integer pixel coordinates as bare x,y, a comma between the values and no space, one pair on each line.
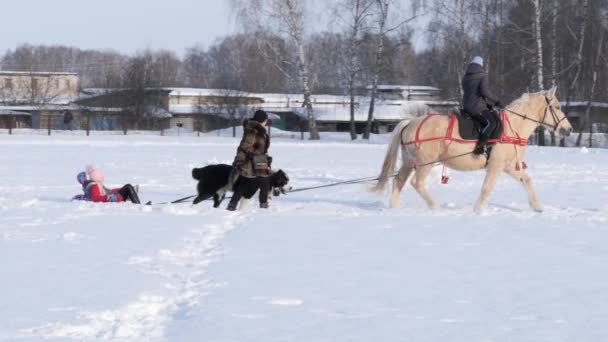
554,14
538,40
579,57
454,28
592,92
358,12
284,18
382,8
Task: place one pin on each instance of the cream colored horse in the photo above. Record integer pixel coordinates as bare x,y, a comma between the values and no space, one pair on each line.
524,115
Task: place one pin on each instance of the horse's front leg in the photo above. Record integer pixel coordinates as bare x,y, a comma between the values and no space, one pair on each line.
419,184
526,181
492,174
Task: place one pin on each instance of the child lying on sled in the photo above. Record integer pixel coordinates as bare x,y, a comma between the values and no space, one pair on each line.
95,191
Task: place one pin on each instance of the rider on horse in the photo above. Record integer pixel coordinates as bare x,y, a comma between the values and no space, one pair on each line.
478,101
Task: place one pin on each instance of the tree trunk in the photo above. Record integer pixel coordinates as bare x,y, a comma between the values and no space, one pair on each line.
304,82
579,60
351,83
351,93
372,105
539,62
383,7
358,21
596,67
554,13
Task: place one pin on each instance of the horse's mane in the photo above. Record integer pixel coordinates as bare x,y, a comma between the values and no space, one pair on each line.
525,97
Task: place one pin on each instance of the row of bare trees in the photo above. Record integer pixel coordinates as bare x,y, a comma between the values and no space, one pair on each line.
528,45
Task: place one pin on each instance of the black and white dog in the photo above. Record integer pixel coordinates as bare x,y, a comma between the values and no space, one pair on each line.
214,181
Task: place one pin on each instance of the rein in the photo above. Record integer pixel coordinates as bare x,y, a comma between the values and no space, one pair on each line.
549,108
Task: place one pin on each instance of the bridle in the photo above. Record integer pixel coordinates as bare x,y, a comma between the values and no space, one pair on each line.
548,109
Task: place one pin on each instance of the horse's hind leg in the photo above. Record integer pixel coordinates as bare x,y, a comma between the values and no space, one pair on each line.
420,186
399,183
522,176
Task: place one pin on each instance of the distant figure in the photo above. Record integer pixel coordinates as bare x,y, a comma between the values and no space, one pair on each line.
67,120
478,101
95,191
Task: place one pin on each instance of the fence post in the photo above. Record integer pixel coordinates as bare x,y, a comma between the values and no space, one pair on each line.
10,124
88,115
124,124
48,123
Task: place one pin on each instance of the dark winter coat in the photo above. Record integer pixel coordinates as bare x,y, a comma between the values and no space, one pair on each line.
255,142
477,94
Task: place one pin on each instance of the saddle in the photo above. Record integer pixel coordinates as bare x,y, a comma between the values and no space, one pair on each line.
469,130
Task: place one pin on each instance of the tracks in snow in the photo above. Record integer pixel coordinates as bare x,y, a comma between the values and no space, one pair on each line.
146,317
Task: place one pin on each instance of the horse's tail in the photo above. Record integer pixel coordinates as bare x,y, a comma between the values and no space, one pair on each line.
390,160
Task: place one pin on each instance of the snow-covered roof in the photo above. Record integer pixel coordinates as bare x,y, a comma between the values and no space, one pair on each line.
208,92
584,104
52,107
13,112
405,87
36,73
384,111
327,107
63,99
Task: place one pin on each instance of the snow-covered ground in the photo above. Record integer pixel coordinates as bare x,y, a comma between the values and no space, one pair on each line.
325,265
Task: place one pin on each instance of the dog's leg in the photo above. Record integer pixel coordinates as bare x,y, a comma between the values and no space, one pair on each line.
218,197
201,198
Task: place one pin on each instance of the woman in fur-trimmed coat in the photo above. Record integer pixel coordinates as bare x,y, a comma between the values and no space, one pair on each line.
252,161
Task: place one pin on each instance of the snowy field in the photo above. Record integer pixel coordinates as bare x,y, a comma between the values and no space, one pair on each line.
325,265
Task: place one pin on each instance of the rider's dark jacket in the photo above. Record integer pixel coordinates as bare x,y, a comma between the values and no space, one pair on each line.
477,94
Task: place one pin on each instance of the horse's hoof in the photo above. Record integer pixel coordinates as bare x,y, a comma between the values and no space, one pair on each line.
538,210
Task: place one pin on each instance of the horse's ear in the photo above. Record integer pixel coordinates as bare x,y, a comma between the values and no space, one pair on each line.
551,92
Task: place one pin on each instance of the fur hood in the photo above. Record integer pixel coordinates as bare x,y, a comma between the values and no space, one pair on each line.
253,125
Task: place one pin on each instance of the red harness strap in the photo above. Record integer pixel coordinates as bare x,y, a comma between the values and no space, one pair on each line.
503,139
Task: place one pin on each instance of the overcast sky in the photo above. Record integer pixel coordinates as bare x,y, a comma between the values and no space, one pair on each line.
123,25
127,26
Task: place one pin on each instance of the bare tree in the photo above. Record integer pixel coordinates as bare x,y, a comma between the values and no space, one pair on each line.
453,35
592,93
554,14
359,12
138,78
382,8
283,17
539,60
579,58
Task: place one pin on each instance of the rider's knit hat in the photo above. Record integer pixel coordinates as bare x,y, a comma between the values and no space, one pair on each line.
477,60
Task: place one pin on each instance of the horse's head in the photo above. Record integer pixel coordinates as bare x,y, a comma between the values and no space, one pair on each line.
553,117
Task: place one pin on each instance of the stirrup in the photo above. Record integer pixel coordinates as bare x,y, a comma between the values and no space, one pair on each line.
479,150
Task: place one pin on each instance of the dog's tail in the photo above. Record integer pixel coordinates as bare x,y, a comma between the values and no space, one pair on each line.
197,173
